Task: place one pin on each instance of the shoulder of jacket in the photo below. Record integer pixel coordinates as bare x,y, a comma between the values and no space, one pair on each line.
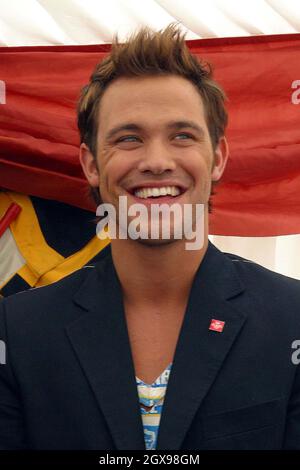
263,278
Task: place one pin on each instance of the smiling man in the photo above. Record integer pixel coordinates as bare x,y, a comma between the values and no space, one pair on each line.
156,346
153,146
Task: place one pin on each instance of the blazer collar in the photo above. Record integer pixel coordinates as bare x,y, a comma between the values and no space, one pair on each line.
101,341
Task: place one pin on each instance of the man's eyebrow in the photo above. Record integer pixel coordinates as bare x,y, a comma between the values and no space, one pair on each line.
130,126
176,125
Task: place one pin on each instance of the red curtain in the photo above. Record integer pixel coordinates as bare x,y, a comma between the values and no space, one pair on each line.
259,194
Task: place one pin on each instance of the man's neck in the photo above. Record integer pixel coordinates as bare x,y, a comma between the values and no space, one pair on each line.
156,274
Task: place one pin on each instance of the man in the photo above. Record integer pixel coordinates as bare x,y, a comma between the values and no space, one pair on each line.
194,345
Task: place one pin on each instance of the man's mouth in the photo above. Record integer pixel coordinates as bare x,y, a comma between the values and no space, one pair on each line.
145,193
157,191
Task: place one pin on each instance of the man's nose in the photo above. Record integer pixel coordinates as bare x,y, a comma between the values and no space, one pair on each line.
157,159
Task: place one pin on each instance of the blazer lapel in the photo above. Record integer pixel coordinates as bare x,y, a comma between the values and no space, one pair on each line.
200,352
101,342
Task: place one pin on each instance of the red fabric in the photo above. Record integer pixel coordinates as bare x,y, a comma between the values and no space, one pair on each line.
10,215
259,193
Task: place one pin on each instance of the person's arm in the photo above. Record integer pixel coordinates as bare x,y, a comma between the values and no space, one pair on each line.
12,429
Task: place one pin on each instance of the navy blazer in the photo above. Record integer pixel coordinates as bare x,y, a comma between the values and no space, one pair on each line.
69,380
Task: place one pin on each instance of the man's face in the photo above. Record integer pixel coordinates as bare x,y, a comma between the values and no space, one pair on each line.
153,134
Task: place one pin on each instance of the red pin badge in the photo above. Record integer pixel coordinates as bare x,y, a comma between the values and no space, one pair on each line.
217,325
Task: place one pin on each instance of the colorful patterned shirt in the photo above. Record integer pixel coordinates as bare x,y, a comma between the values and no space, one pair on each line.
152,395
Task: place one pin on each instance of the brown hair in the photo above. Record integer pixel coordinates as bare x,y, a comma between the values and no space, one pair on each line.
150,53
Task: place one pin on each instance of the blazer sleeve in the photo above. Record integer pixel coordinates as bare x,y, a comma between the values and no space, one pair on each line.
292,429
12,429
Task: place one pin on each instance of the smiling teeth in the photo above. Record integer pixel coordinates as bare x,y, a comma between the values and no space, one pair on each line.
144,193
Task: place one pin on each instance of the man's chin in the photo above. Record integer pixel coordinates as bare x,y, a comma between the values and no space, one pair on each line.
156,242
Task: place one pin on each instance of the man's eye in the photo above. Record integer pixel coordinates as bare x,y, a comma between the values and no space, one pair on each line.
183,136
128,138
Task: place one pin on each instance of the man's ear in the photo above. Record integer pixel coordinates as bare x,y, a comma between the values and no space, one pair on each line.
221,156
89,165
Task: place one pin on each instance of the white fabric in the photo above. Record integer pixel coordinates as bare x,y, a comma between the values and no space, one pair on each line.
48,22
280,254
11,259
